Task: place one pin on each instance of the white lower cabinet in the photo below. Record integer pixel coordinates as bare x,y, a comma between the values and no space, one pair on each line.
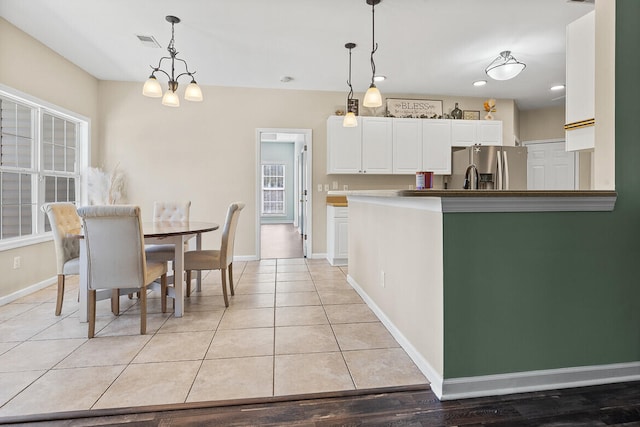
337,235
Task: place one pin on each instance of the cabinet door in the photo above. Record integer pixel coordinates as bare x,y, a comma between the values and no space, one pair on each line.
436,146
489,132
580,78
407,146
463,133
344,147
377,145
342,238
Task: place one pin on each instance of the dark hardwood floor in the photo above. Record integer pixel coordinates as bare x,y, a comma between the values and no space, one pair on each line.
606,405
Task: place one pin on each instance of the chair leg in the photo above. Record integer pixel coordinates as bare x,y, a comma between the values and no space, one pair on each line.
115,302
92,313
143,311
163,292
60,294
187,291
223,272
231,279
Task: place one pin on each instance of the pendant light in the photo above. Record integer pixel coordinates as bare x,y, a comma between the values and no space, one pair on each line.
350,119
504,67
373,98
152,87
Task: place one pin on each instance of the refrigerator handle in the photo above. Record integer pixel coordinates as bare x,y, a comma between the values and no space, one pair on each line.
499,174
506,171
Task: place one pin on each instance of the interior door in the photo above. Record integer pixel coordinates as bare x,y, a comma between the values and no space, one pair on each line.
550,167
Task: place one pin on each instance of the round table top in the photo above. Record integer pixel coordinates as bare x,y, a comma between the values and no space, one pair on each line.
166,228
176,228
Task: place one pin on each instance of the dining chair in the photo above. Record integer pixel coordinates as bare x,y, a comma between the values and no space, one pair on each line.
167,211
64,220
217,259
116,257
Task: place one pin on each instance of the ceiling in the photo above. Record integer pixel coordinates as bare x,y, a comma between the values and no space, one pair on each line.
430,47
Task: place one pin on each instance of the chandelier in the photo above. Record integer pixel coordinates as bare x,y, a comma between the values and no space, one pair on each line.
152,87
504,67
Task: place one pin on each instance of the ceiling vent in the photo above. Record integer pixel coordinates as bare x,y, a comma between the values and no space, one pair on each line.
148,41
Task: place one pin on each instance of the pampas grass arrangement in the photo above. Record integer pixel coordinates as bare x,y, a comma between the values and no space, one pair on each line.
104,188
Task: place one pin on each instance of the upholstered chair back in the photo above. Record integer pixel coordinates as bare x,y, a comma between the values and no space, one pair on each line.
229,233
115,246
64,220
171,211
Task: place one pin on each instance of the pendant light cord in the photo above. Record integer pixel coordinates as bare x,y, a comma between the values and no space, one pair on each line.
350,96
374,45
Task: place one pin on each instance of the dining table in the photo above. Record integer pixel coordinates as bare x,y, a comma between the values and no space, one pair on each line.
156,232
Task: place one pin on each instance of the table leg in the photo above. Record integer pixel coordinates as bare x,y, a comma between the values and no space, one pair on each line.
83,286
199,273
178,278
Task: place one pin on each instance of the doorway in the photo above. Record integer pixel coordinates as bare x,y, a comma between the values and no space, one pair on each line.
283,202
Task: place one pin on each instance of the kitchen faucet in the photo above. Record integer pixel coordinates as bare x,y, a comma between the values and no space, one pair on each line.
471,181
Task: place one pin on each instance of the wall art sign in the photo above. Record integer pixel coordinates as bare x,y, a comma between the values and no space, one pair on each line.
415,108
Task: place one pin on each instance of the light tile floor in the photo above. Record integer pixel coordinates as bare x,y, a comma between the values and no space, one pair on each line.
294,326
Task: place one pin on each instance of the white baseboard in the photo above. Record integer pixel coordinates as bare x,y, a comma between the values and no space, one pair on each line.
500,384
425,367
29,290
550,379
245,258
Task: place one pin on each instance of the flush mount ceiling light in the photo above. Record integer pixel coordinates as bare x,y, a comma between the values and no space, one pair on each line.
479,83
373,98
557,87
350,120
152,87
504,67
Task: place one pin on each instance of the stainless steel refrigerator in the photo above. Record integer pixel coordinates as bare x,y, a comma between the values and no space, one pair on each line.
497,167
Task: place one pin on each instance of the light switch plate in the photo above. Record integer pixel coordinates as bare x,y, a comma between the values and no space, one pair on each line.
320,187
326,187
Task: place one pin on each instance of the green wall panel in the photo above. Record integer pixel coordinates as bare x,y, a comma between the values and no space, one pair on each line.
530,291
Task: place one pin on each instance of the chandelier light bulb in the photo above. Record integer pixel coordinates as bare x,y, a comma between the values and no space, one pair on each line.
193,92
170,99
152,88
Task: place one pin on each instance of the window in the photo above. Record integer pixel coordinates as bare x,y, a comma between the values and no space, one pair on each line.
39,163
273,190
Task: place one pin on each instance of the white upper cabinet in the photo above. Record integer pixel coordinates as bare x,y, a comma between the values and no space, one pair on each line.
344,147
377,149
385,145
489,132
465,133
407,146
436,146
580,81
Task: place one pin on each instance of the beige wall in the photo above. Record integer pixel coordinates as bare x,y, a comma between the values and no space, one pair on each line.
32,68
542,124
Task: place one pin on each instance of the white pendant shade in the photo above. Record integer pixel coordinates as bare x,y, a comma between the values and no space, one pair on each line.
504,67
152,88
372,98
350,120
170,99
193,92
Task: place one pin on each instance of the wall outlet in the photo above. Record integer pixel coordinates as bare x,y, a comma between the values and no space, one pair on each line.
326,187
334,185
382,283
345,188
319,187
17,261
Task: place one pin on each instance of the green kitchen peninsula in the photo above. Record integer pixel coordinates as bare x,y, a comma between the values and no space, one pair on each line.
495,292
